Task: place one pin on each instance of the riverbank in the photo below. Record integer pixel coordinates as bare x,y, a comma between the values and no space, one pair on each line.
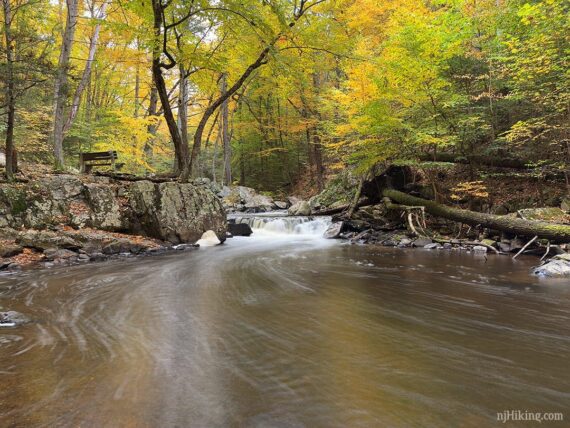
57,219
63,219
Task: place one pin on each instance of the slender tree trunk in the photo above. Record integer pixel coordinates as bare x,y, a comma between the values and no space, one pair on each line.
318,158
354,204
179,150
10,90
241,168
226,142
183,114
151,128
137,91
61,85
87,70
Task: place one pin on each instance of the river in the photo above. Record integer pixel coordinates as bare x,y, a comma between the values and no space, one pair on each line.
285,329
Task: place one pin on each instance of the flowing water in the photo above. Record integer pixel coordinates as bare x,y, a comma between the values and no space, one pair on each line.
285,329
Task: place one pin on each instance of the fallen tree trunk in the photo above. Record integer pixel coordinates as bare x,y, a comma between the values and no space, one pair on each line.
553,232
131,177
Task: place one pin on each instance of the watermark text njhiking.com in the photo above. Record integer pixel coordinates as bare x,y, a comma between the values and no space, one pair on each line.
525,415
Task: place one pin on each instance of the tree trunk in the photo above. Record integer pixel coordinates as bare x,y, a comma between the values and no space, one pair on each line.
87,70
356,198
552,232
318,158
180,151
61,85
226,143
183,114
151,128
137,91
10,90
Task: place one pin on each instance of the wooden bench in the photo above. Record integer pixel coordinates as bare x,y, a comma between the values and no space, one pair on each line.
87,161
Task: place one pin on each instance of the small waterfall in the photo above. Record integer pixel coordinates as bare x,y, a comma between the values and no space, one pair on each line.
283,225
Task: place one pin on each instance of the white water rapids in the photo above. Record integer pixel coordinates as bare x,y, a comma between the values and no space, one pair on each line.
279,224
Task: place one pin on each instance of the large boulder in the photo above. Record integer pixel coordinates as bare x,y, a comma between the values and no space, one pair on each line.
169,211
176,212
259,203
301,208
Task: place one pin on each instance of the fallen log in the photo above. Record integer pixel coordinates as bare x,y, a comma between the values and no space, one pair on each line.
554,232
131,177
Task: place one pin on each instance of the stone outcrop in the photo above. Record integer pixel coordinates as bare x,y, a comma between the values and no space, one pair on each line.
169,211
175,212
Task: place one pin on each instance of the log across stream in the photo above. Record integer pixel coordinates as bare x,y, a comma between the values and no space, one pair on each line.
517,226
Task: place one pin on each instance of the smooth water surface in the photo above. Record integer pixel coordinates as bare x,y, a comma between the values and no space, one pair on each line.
285,331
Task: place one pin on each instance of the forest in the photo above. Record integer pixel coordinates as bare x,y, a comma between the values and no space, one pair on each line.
284,213
281,95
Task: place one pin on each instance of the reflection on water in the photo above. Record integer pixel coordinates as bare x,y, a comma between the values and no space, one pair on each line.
284,331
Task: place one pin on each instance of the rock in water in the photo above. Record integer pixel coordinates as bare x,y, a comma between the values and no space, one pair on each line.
433,246
334,230
208,239
239,229
300,208
12,319
422,242
555,267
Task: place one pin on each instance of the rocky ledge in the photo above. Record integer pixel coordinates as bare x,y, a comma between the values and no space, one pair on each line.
65,219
